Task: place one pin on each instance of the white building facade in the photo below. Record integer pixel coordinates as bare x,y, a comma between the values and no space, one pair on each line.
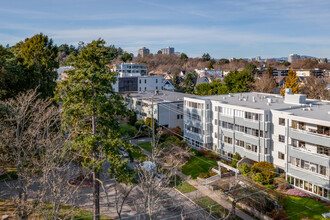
129,69
150,83
167,107
291,132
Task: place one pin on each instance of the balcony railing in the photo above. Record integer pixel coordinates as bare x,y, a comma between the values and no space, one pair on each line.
322,133
323,156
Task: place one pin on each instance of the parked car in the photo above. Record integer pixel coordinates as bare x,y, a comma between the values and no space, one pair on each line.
123,152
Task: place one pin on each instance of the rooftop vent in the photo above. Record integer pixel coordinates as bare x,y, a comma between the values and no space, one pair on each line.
269,100
253,99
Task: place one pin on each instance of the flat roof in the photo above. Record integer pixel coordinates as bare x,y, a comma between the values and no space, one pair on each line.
315,109
161,97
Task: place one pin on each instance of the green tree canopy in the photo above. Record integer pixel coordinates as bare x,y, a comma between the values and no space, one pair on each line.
189,82
183,57
239,81
251,68
214,88
11,75
211,63
37,58
206,57
90,112
126,57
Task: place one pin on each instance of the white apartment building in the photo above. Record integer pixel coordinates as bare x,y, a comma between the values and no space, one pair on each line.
167,106
291,132
293,57
61,72
206,72
168,50
143,51
150,83
129,69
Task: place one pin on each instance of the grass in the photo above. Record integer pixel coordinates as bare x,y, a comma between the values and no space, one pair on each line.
146,146
8,208
197,165
216,209
139,155
297,208
185,187
11,174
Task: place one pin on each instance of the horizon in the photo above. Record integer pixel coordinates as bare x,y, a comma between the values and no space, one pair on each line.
240,29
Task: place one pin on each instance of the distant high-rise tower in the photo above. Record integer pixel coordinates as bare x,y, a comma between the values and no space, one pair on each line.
293,57
168,50
258,58
143,51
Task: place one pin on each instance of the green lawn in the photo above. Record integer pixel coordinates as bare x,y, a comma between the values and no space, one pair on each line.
139,155
185,187
146,146
216,209
8,206
198,164
298,208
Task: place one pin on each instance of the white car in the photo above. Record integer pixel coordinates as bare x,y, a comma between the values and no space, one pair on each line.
123,152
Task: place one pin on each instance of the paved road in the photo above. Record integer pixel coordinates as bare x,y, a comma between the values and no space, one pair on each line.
204,190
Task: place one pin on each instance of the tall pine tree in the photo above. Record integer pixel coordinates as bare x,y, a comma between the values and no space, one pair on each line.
291,82
90,113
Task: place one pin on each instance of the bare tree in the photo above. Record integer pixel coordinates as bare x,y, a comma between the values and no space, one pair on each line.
314,88
29,130
264,84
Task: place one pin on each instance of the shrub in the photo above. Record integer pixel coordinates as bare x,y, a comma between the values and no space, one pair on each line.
235,159
202,152
258,177
132,118
139,124
244,169
266,169
207,175
281,183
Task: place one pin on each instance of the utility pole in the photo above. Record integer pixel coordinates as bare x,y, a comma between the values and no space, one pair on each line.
152,127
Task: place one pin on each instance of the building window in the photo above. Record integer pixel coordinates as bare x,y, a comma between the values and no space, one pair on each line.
181,116
228,140
216,121
156,87
156,80
281,138
140,88
280,155
140,81
145,88
215,134
281,121
145,81
178,117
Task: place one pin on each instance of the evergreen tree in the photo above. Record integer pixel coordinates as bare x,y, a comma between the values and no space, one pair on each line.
291,81
183,57
239,81
206,57
189,83
90,113
126,57
37,58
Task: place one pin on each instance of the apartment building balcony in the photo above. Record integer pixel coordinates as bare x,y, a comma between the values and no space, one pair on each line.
309,176
310,136
305,154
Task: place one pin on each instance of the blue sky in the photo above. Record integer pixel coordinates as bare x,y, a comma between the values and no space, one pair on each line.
223,28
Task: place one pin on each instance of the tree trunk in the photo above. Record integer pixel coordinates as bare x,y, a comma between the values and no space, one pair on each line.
96,196
96,174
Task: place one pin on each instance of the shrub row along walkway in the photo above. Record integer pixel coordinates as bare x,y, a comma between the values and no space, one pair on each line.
206,191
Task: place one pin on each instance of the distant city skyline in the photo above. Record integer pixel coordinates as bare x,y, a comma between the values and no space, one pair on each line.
224,29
